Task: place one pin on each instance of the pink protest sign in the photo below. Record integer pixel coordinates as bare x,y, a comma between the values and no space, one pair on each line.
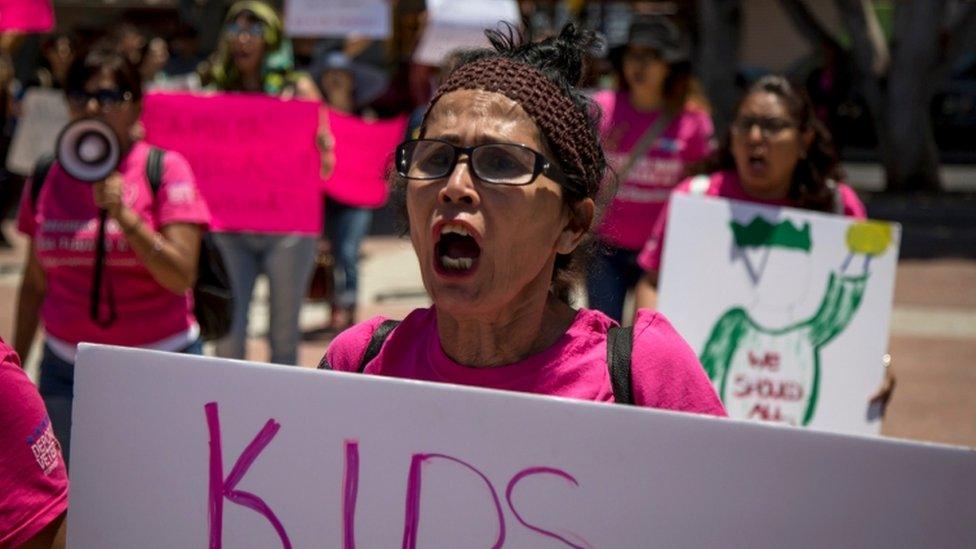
254,157
363,152
26,15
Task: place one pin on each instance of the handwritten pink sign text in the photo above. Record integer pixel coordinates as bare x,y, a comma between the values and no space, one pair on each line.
225,487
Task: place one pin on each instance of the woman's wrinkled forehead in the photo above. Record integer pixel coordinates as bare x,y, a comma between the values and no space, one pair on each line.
489,111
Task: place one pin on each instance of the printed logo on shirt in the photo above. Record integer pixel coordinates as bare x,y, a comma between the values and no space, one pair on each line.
52,262
180,192
649,171
72,242
70,225
45,447
659,172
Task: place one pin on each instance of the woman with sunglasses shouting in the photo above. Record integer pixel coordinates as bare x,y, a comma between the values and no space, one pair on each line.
255,56
499,196
152,241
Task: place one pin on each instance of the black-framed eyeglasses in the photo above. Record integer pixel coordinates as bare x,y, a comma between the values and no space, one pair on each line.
768,127
495,163
106,98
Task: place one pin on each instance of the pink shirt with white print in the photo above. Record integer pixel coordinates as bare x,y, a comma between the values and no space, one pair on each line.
33,478
639,200
64,230
726,184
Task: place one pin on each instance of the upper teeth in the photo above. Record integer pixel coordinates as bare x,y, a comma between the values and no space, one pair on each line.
456,229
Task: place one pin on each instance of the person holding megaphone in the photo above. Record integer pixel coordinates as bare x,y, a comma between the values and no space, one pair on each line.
115,227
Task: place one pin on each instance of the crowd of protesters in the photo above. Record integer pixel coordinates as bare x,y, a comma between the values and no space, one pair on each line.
512,200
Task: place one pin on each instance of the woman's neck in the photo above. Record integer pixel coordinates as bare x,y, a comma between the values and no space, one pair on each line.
251,81
528,328
125,145
341,102
778,192
646,98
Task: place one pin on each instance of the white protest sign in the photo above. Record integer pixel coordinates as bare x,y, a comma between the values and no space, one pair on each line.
45,113
788,309
316,18
460,24
177,451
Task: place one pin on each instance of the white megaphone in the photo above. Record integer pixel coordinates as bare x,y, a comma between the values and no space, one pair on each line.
88,149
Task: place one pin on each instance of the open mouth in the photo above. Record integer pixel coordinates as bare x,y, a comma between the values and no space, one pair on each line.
457,250
757,161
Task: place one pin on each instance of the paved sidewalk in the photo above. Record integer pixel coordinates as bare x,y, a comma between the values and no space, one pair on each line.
933,335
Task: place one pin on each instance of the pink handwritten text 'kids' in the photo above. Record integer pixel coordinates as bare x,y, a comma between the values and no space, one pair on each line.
221,488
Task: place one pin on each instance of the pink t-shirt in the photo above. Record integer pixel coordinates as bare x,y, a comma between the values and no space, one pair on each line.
64,230
665,371
33,479
630,217
726,184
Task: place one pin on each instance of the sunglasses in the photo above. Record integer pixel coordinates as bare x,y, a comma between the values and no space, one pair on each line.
495,163
106,98
768,127
254,30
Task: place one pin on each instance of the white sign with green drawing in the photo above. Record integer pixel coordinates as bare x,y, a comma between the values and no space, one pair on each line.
788,309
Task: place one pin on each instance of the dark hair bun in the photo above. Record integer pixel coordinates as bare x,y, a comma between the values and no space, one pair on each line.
560,57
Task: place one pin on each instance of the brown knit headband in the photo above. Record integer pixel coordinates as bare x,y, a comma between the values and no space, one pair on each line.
566,128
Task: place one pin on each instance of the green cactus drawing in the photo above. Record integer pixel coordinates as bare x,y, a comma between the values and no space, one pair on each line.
773,373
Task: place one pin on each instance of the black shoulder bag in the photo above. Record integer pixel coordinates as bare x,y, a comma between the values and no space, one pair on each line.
213,302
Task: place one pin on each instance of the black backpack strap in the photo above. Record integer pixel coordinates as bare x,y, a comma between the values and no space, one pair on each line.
619,345
41,168
154,169
376,342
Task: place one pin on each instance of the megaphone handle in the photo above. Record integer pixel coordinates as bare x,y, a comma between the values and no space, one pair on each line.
98,277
